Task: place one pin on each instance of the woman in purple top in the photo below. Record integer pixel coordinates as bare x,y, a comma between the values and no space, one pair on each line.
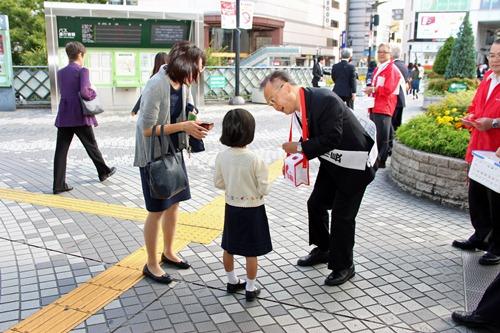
72,81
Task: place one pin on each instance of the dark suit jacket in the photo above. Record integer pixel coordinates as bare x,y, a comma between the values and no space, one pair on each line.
404,70
332,125
344,76
317,72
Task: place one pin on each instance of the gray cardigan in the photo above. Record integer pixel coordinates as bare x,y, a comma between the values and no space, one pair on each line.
155,110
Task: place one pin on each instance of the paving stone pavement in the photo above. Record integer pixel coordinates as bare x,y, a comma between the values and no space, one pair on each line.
408,277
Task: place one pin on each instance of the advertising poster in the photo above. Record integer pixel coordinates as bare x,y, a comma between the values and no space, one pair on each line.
438,25
125,64
228,14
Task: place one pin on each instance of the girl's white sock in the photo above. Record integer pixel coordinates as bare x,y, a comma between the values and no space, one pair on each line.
232,278
250,284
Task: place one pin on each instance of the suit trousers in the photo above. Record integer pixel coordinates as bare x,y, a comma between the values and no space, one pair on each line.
339,240
484,210
489,305
383,123
397,117
64,138
348,101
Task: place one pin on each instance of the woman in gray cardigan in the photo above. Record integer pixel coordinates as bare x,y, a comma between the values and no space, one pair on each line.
163,103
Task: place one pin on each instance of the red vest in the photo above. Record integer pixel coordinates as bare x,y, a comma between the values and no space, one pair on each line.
387,81
480,107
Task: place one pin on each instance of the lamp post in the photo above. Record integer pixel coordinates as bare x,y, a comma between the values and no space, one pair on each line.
237,99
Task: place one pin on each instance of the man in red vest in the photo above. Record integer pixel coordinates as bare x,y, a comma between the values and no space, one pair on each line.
385,90
484,204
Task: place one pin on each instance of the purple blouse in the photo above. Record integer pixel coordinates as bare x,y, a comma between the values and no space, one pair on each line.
74,79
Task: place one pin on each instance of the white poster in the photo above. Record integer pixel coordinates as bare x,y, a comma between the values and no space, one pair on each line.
125,63
228,14
438,25
246,14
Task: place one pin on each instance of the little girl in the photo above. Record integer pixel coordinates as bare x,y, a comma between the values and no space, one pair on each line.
244,177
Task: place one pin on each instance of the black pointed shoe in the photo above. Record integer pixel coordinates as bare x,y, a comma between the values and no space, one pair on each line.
183,264
235,287
470,319
316,256
165,278
468,245
489,259
109,174
252,295
65,189
339,277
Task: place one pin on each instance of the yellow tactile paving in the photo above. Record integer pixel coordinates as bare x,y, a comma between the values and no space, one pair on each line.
70,310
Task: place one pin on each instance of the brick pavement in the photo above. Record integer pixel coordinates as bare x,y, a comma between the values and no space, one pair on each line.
408,277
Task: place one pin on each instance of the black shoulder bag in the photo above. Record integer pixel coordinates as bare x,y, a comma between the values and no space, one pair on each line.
166,174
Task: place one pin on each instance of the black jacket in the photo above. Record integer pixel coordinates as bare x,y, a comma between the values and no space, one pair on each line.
317,72
344,76
404,70
333,126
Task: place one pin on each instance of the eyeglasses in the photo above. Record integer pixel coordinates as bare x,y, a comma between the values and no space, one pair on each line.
493,55
383,52
271,99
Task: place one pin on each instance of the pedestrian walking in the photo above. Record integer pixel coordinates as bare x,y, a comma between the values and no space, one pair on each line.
163,103
244,178
484,204
318,71
73,82
335,137
401,102
344,76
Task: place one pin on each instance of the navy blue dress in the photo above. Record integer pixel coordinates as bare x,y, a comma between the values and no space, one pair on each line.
159,205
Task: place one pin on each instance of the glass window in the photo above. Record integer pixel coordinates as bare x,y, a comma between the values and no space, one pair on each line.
490,4
334,24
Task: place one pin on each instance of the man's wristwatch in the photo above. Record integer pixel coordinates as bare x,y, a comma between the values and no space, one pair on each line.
299,147
495,123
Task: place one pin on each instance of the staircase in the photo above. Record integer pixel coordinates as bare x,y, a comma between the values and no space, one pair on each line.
262,56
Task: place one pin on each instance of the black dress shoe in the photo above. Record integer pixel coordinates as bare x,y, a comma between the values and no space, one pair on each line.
65,189
235,287
183,264
469,245
165,278
109,174
470,319
251,295
316,256
338,277
489,259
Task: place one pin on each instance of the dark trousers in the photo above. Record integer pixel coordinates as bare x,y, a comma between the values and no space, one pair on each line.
397,117
348,101
489,305
315,83
383,123
64,138
484,210
339,240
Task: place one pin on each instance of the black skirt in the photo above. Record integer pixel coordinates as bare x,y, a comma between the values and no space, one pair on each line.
246,231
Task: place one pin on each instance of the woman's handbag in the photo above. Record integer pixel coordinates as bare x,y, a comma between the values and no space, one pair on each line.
166,174
91,108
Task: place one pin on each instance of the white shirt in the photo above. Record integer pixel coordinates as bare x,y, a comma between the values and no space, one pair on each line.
243,175
495,80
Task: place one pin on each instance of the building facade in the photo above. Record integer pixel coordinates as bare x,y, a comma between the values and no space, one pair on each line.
314,26
429,22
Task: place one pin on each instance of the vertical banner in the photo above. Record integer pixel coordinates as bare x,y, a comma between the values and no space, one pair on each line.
228,14
246,14
327,6
343,39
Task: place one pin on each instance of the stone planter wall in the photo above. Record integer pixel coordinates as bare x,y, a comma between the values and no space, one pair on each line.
439,178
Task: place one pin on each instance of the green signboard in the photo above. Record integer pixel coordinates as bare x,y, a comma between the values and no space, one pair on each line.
457,86
118,32
216,81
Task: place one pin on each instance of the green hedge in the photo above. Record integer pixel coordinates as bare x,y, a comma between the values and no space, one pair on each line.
440,130
439,86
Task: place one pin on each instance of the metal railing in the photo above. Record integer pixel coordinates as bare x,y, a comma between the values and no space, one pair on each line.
250,78
32,85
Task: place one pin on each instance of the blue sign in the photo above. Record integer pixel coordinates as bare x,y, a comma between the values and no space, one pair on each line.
344,39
